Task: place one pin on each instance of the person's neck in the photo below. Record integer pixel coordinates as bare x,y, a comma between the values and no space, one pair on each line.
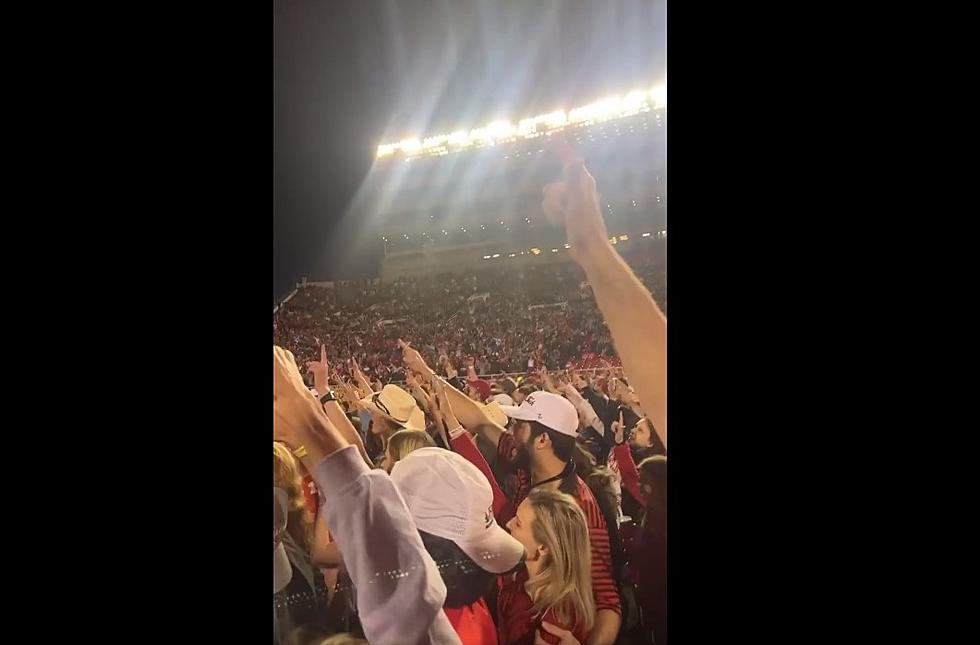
547,467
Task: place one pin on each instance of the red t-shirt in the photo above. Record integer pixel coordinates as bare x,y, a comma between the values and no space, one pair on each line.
473,623
516,623
604,588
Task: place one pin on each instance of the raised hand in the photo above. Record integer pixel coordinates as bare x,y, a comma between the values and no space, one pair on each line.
321,372
294,410
573,202
619,428
413,360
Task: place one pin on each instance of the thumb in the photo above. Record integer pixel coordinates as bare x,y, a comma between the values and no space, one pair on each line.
620,417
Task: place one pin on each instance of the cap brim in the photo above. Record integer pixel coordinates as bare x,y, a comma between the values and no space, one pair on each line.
515,412
282,570
496,550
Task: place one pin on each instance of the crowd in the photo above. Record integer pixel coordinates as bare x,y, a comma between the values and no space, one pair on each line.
506,320
461,509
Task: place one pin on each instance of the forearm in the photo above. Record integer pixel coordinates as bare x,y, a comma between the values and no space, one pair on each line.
340,421
363,385
319,439
638,328
471,415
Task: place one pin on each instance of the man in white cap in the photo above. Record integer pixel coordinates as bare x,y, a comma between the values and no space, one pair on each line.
539,452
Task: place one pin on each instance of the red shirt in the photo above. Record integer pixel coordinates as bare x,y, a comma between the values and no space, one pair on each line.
604,588
473,623
516,622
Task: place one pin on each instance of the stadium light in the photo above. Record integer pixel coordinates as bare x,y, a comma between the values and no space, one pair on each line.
512,255
646,235
554,250
503,130
623,238
496,255
486,257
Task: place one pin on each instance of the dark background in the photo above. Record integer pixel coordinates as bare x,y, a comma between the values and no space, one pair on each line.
349,76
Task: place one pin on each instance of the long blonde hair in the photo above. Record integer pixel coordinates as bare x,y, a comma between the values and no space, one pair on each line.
404,442
564,582
287,475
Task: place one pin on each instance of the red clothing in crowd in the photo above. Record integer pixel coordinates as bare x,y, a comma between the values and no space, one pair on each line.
604,587
473,623
516,622
466,447
627,470
310,495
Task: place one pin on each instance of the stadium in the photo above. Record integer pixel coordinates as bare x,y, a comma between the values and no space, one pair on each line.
470,374
459,215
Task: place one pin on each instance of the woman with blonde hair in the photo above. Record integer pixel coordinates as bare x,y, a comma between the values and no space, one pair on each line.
402,443
555,585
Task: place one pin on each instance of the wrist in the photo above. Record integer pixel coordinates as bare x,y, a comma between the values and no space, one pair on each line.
596,257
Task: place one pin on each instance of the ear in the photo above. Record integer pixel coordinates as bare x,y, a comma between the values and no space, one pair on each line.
542,441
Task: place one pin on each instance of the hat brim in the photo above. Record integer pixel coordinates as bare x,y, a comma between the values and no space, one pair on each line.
496,550
493,410
416,420
282,570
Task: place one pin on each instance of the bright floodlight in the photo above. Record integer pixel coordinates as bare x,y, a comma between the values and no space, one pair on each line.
502,130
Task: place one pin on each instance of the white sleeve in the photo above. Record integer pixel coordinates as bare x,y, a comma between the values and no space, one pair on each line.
588,413
399,590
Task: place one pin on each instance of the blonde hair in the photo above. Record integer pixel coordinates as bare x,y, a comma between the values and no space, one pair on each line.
564,582
286,474
404,442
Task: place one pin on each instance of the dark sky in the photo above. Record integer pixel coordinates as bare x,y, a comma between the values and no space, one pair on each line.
349,75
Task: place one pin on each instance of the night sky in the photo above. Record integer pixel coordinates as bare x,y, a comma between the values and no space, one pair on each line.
351,75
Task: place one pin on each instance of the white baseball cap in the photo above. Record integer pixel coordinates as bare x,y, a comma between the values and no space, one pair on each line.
550,410
450,498
282,570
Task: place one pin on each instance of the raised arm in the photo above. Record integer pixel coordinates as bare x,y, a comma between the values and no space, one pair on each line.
363,384
638,327
469,412
369,518
321,381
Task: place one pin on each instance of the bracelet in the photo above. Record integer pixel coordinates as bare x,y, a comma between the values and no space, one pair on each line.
300,452
328,397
